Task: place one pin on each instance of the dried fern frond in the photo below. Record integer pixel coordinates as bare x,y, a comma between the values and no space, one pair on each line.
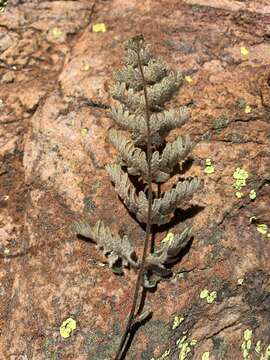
137,204
131,56
161,165
135,158
131,77
162,91
166,255
168,120
175,152
158,93
160,123
115,247
135,124
163,207
142,88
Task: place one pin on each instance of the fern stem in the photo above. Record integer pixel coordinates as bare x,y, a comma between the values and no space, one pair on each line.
149,214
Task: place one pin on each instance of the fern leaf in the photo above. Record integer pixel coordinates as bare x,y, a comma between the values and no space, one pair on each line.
162,91
158,93
131,77
163,207
135,158
168,120
136,204
131,57
135,124
114,246
175,152
167,254
155,71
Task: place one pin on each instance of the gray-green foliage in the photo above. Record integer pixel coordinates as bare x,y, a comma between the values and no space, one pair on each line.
113,245
130,139
3,4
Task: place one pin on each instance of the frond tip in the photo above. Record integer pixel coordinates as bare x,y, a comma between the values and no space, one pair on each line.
115,247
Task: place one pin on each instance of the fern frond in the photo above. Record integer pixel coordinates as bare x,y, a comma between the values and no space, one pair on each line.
158,93
175,152
163,90
130,76
131,56
163,207
153,72
166,255
135,124
168,120
135,158
137,204
114,246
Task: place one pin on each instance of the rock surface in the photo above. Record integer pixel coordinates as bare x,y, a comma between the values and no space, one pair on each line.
55,73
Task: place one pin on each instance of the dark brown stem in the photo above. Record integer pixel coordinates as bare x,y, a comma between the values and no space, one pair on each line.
149,216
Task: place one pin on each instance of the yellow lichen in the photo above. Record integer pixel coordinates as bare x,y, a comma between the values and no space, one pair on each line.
262,229
188,79
210,297
239,194
204,293
205,355
240,176
99,27
258,346
56,32
246,344
84,131
252,194
67,327
209,167
184,348
177,321
244,51
86,67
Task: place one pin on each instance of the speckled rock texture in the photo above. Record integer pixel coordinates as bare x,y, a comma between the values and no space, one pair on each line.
55,73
